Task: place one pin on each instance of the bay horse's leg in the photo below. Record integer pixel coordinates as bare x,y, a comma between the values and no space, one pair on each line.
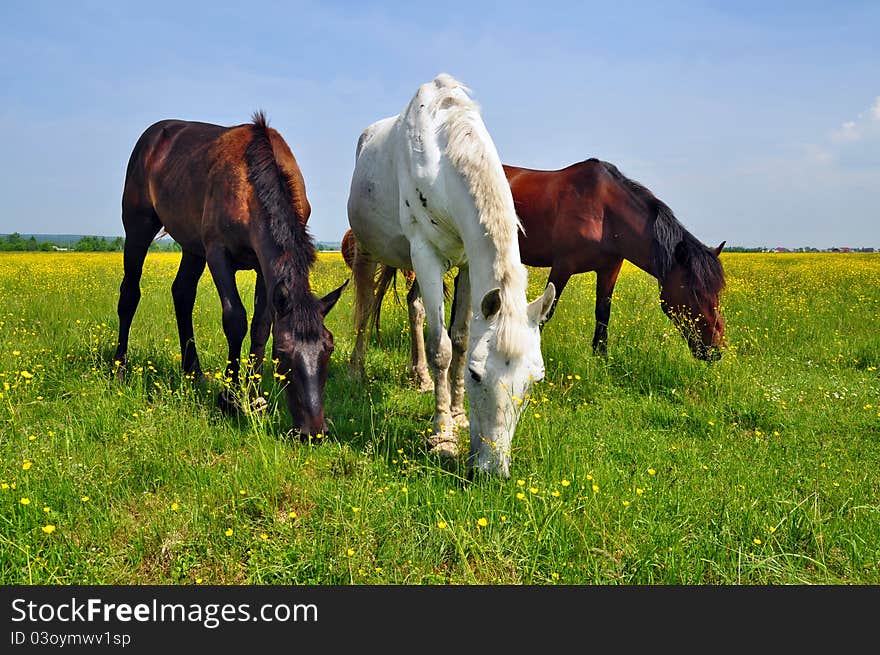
418,360
183,291
606,278
559,277
140,228
459,331
261,326
429,272
363,270
234,318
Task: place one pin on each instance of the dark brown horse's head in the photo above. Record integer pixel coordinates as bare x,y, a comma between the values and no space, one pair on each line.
301,349
689,296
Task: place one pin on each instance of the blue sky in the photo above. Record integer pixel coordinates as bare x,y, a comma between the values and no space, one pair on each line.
758,123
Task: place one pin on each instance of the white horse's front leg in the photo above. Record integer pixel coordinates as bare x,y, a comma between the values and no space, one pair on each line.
459,331
429,273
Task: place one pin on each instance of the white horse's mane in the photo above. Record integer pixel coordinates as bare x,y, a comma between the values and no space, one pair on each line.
481,169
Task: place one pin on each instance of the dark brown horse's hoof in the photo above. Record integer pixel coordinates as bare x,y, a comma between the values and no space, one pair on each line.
198,379
228,403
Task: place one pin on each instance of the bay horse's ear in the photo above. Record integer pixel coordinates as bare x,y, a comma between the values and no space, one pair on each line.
491,303
328,301
718,250
682,255
540,307
281,299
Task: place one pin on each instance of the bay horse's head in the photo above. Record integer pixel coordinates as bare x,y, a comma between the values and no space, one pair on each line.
301,348
499,379
689,296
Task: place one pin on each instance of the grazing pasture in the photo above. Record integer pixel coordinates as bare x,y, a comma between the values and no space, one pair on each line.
648,467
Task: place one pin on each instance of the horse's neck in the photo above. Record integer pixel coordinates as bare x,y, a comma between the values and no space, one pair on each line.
632,233
494,266
272,266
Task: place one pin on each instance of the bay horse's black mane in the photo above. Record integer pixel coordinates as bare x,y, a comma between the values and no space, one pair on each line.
672,244
272,186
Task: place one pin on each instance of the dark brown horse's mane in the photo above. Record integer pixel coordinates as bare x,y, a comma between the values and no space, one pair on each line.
272,187
672,244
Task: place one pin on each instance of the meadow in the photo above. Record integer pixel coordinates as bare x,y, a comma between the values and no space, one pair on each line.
648,467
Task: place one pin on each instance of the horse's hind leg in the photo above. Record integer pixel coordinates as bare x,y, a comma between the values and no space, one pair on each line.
183,290
418,360
459,331
606,278
140,228
363,271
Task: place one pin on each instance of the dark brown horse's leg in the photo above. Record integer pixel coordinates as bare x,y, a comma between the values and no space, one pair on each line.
459,332
183,290
139,232
559,277
261,326
606,278
363,271
234,319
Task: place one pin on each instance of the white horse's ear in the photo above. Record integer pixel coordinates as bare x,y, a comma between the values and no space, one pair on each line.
491,303
540,307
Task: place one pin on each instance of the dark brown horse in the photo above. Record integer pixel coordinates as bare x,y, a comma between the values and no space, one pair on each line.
234,198
590,217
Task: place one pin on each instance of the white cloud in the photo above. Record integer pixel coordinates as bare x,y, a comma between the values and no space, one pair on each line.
846,133
856,143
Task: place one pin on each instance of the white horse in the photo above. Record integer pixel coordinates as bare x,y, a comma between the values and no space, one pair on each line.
428,194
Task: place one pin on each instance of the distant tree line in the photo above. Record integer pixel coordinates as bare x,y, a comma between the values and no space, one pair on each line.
16,242
99,244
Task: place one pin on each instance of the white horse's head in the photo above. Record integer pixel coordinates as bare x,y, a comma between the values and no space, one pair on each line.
498,383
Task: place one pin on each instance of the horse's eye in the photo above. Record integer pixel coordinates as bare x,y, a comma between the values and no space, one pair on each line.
476,377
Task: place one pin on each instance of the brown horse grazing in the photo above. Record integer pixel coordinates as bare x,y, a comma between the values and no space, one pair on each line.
234,198
590,217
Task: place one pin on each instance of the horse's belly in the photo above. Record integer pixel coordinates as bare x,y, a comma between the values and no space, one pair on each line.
379,234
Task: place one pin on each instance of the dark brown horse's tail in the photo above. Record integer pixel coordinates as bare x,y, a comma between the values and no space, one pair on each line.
387,276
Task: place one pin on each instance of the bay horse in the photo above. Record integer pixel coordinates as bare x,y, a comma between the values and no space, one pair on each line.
428,193
590,217
233,198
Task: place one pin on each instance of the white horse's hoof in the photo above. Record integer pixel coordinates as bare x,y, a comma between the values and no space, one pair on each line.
258,405
460,420
444,446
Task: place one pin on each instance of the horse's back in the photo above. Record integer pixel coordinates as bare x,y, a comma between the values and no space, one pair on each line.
172,170
374,197
167,139
560,211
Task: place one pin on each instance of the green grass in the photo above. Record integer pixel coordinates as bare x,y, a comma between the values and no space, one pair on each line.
646,468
